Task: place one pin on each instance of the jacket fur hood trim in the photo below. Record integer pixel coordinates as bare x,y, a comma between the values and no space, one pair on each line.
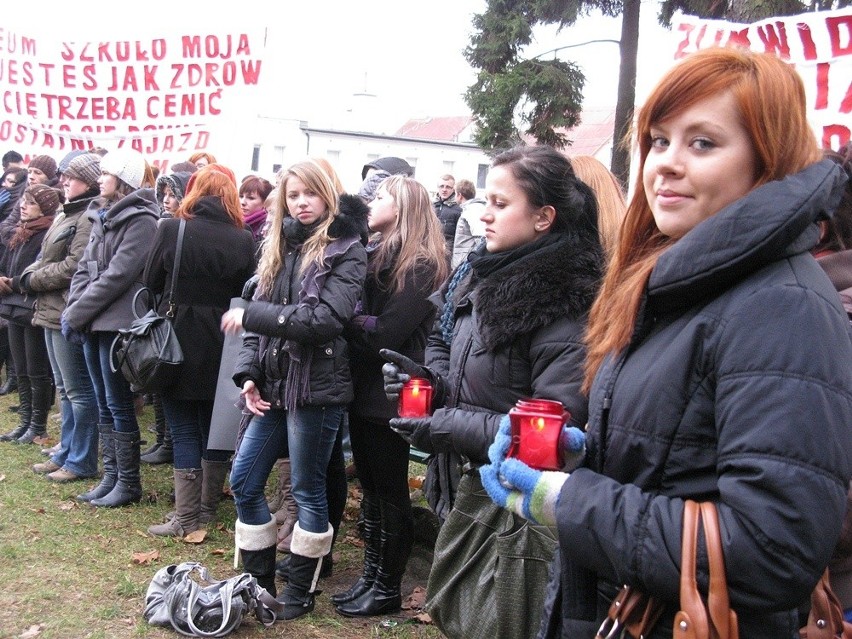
351,221
559,281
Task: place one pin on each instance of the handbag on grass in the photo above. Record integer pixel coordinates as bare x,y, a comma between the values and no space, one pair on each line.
148,354
186,598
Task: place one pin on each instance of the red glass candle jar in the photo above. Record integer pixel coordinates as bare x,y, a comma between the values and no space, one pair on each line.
415,400
536,427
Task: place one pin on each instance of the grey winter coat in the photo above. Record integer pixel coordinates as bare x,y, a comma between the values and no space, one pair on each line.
110,270
736,388
49,277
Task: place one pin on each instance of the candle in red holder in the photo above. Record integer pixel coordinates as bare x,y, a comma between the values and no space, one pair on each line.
415,400
536,427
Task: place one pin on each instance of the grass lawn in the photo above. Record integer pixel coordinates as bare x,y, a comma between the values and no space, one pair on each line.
72,571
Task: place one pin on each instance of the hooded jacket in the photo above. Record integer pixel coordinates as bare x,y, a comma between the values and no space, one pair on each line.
269,324
110,271
736,388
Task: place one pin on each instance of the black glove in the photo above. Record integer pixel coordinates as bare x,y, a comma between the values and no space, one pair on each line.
249,287
417,431
399,370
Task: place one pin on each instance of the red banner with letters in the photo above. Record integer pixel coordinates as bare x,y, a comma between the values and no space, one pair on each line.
168,94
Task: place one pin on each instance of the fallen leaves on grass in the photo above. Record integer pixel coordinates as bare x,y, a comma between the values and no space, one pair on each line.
416,600
218,551
196,537
415,483
423,617
68,505
145,558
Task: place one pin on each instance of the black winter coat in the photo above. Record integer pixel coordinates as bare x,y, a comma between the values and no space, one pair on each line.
736,388
19,306
216,260
518,333
403,320
269,324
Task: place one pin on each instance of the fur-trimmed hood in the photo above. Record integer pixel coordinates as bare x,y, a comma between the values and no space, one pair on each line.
352,219
559,280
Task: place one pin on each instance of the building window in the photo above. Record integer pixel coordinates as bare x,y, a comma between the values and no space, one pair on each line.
277,159
333,157
255,157
481,174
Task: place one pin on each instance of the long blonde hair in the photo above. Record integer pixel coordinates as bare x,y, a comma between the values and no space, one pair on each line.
416,236
315,178
610,197
771,100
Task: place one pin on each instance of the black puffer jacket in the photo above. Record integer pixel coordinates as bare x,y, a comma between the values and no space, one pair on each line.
517,333
270,324
736,388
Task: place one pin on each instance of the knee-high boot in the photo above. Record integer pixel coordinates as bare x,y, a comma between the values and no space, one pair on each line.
256,547
308,551
128,486
213,479
162,452
42,400
371,511
288,511
384,597
25,410
188,483
110,470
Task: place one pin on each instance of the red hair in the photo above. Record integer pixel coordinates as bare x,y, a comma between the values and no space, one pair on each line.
771,101
213,179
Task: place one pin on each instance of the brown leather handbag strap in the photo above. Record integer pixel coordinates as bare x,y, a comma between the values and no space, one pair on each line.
632,611
693,620
825,620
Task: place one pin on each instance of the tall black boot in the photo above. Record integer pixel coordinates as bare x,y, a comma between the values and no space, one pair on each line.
42,400
372,514
110,475
159,426
25,410
162,454
128,486
306,558
11,383
384,597
256,546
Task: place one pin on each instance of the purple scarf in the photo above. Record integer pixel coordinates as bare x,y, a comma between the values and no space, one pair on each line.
297,388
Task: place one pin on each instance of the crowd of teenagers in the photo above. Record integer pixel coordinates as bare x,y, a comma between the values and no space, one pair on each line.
698,335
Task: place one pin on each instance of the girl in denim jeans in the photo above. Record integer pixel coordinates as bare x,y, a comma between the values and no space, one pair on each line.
294,371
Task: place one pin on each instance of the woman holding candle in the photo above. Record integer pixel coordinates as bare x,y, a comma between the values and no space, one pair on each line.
510,326
718,363
406,264
294,372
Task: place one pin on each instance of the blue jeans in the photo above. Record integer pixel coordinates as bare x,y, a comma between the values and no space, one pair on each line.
189,423
78,451
112,391
308,441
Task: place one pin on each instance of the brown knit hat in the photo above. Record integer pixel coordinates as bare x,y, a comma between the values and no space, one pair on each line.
45,164
86,168
45,196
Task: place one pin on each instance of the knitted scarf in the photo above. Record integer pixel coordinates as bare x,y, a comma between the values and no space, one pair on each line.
255,221
26,229
297,386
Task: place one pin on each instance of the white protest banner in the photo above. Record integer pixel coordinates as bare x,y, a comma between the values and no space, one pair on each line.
167,91
819,44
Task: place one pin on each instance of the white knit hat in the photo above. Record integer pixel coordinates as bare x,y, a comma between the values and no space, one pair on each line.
125,164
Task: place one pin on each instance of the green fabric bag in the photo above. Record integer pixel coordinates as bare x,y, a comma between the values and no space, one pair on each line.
490,570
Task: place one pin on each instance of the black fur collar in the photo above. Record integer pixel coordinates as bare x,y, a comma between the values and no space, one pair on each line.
352,219
558,281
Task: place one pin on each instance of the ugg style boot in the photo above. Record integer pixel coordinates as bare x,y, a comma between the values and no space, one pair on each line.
128,485
372,520
25,410
42,400
188,483
306,559
256,547
384,597
110,475
288,512
213,481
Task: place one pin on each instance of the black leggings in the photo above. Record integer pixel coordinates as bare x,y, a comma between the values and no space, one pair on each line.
381,458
